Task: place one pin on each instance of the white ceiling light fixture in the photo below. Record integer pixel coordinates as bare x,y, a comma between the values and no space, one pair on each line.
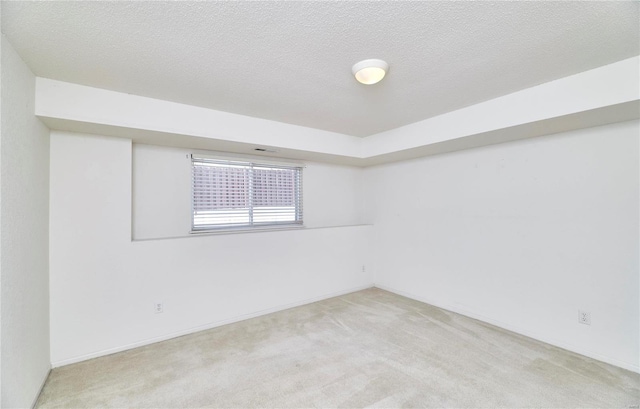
370,71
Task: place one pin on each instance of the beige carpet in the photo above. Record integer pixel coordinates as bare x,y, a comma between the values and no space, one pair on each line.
370,348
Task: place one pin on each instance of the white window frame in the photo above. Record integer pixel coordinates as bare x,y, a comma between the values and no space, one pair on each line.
251,225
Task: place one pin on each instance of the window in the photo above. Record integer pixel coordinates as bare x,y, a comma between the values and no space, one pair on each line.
228,194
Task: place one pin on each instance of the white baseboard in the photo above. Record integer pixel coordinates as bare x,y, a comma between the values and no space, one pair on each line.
44,380
455,309
518,330
204,327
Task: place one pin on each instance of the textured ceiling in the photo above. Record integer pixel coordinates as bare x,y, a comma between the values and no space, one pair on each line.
291,61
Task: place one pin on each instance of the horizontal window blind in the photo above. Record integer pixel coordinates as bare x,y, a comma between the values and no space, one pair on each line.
228,194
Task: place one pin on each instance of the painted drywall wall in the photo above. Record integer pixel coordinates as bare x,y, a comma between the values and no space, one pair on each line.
162,192
104,285
521,235
24,237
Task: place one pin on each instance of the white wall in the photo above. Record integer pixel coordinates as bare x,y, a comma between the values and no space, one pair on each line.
24,237
537,229
104,285
521,235
162,192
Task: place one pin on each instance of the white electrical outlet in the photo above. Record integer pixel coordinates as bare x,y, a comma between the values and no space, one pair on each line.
364,269
158,307
584,317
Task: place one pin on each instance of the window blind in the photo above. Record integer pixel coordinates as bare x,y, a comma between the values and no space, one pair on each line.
228,194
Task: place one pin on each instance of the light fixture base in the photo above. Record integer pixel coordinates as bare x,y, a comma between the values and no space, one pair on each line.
370,71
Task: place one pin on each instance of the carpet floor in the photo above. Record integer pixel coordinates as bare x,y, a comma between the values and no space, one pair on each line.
371,348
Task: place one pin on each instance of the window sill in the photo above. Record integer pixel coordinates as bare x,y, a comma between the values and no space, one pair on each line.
241,230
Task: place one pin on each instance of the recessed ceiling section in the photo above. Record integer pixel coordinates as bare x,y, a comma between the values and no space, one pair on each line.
289,61
596,97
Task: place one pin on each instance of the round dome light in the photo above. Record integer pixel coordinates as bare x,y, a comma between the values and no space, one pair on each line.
370,71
